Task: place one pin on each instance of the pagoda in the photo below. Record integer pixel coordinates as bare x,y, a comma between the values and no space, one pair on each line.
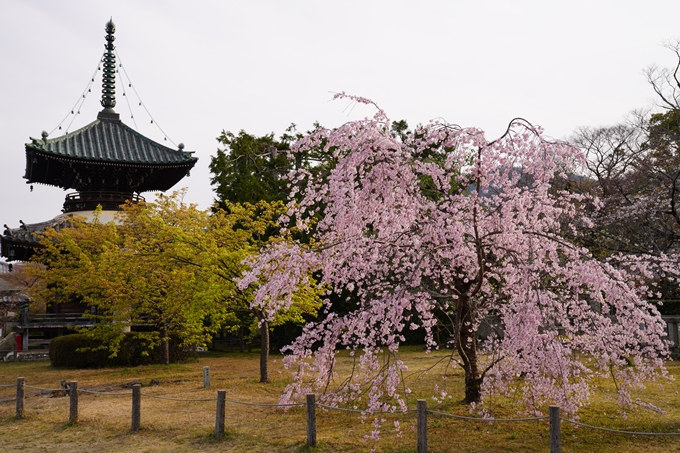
106,162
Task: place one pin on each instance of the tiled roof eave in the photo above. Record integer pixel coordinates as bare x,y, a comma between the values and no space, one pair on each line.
190,162
111,141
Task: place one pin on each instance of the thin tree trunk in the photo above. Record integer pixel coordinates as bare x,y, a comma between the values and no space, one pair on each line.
165,345
264,351
466,345
241,340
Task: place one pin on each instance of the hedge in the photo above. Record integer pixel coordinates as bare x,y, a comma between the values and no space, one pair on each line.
81,351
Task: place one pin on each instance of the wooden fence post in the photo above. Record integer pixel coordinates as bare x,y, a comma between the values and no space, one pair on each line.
73,400
206,377
219,414
136,406
555,432
20,397
311,420
421,412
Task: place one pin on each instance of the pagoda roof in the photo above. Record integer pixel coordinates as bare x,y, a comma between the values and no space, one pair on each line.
106,147
110,141
106,155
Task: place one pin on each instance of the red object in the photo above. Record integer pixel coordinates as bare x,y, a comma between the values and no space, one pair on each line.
17,340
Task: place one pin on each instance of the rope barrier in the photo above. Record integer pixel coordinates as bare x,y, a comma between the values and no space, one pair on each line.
359,411
245,403
478,419
636,433
156,396
177,399
342,409
103,393
45,389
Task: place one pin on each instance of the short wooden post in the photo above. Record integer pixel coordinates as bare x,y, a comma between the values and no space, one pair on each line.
421,413
136,406
73,400
311,420
219,414
555,431
206,377
20,397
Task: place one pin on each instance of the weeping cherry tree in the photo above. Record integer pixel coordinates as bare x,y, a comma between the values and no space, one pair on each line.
444,229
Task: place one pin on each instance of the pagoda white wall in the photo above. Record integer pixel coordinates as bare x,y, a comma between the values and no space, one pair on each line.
104,216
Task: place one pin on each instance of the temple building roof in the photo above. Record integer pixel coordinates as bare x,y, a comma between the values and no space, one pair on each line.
10,294
20,243
105,143
106,155
110,141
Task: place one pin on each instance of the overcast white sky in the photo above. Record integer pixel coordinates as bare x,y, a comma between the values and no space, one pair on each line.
204,66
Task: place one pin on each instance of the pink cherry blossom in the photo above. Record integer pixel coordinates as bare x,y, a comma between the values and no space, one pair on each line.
448,229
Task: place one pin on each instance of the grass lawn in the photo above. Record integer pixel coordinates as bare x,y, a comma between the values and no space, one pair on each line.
176,426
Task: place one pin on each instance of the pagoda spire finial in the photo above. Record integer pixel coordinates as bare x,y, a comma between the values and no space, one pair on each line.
109,75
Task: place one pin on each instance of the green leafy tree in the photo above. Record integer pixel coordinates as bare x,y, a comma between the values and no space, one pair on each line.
167,268
253,169
249,168
233,235
133,273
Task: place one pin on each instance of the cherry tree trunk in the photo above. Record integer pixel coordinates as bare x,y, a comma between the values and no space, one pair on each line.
466,345
264,352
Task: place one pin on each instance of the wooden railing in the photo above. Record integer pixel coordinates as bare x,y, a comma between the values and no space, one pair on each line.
37,320
109,200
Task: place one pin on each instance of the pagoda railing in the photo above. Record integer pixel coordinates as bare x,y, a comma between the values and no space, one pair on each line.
88,201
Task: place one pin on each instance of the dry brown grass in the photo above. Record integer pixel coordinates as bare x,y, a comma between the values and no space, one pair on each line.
172,426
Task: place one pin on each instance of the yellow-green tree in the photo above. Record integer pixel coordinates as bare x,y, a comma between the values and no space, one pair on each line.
154,276
167,267
232,236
